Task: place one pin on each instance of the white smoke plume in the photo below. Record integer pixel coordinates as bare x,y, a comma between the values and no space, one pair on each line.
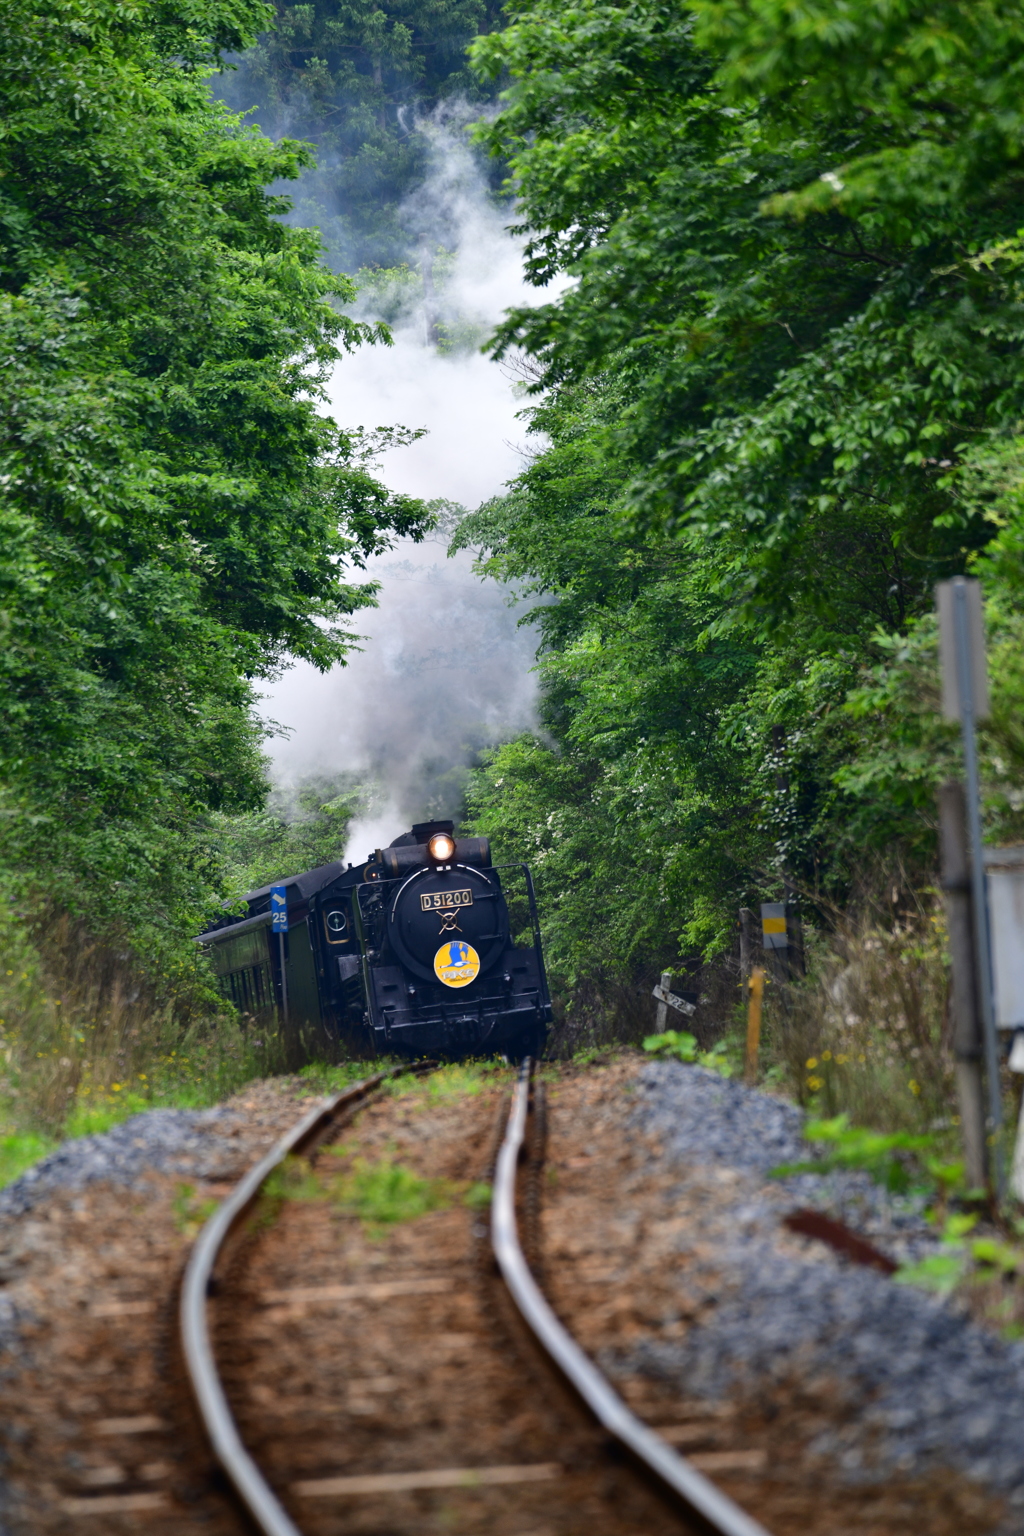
444,669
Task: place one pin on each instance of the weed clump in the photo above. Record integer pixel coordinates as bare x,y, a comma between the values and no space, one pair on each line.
866,1032
451,1082
327,1077
884,1156
379,1193
86,1041
19,1151
384,1193
682,1046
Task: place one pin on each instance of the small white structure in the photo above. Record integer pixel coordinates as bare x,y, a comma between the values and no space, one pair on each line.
1004,869
774,934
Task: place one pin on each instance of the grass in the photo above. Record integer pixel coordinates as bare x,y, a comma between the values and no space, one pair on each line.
453,1081
206,1068
893,1158
192,1079
76,1025
19,1151
383,1193
189,1212
683,1046
85,1042
379,1193
334,1077
91,1115
864,1033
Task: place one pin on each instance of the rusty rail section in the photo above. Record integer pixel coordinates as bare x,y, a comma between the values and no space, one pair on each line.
713,1508
701,1499
221,1430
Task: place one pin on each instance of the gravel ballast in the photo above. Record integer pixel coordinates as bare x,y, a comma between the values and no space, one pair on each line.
185,1142
922,1385
902,1384
77,1227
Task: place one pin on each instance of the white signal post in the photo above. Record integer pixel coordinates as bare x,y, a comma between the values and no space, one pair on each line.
965,698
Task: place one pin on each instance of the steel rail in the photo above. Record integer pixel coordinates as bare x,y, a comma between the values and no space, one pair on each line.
218,1421
709,1503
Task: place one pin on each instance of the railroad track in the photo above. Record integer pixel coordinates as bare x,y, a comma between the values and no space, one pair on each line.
601,1469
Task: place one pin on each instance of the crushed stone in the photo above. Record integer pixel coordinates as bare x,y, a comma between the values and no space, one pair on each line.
169,1140
923,1386
207,1144
78,1196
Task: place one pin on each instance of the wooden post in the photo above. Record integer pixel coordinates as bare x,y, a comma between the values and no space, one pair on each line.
756,986
666,982
747,932
967,1041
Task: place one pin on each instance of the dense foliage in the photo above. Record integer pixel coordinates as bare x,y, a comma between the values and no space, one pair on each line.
178,514
298,828
781,397
369,85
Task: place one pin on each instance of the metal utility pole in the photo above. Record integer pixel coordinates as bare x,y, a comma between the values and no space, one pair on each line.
279,925
965,698
967,1041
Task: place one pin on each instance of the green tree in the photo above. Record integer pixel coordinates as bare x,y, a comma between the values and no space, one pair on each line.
782,395
179,515
353,78
650,808
817,343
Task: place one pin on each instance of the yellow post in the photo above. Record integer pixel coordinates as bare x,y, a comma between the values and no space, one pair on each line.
756,985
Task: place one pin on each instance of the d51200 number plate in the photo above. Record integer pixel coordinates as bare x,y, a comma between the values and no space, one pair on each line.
441,901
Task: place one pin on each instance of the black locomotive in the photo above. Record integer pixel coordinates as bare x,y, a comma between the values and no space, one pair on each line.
426,949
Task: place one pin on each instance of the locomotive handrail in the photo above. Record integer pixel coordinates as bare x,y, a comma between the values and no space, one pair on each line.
710,1504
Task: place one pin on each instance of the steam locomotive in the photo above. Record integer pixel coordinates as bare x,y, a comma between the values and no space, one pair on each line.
427,948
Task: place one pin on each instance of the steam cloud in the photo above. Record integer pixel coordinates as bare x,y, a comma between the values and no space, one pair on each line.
444,669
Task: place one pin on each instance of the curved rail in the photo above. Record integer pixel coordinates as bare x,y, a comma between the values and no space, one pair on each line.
216,1415
709,1503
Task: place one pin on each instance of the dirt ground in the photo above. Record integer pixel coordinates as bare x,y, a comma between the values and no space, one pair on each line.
355,1346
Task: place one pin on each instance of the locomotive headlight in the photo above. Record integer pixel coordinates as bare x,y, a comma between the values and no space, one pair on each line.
441,847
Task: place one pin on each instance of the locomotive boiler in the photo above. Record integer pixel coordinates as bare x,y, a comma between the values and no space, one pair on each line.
427,948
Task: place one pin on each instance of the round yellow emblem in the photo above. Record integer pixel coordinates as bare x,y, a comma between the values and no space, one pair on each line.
456,964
